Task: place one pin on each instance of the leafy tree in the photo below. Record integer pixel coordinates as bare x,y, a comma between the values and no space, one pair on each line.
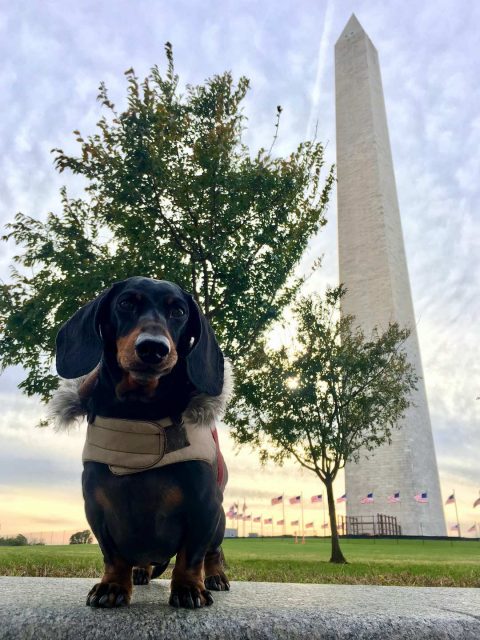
21,540
81,537
330,396
171,192
18,541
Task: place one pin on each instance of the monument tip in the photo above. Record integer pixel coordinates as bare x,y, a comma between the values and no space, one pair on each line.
352,27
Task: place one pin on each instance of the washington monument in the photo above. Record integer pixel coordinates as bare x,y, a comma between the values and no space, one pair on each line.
373,267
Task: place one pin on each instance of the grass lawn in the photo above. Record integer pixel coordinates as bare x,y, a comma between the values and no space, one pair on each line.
408,562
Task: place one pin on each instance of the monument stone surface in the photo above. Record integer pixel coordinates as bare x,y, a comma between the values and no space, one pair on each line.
54,609
373,267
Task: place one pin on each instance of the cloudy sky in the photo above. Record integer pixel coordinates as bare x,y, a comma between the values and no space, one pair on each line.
56,53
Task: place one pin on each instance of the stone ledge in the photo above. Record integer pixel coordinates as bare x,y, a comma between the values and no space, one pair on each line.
53,608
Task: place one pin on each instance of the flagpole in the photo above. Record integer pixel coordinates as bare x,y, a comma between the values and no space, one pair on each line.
301,503
456,511
283,505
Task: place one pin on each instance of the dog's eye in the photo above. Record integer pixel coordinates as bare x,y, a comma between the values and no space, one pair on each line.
177,312
126,304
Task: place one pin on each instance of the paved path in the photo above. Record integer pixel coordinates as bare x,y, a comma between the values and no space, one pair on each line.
51,608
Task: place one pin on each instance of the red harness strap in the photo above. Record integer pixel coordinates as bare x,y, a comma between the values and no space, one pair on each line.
221,468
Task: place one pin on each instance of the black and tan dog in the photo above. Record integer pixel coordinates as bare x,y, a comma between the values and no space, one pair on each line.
149,375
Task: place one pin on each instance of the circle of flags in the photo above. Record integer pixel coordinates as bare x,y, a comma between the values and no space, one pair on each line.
421,497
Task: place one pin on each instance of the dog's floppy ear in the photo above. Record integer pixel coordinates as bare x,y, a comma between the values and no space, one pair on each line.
205,359
79,341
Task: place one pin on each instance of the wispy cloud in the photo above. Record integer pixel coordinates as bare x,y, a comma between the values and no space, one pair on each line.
324,51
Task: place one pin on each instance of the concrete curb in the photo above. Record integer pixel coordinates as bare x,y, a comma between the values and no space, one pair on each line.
52,608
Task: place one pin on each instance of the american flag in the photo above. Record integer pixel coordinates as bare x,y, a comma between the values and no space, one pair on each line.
394,498
239,516
309,525
231,513
280,522
325,525
477,502
247,517
421,497
277,500
258,519
295,500
342,498
454,527
450,499
473,528
268,521
368,499
318,498
294,523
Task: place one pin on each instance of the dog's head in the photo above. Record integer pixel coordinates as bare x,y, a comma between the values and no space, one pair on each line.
144,326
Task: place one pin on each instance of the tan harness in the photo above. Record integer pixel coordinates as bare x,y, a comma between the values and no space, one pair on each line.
131,446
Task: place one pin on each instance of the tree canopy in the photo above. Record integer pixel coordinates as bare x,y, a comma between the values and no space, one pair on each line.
18,541
81,537
327,398
172,192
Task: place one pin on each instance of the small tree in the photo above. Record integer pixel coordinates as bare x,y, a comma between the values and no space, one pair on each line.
18,541
332,396
172,192
81,537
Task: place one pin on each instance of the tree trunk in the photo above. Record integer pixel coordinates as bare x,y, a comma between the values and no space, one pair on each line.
337,555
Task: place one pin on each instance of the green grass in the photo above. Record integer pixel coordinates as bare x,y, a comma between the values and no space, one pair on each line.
408,562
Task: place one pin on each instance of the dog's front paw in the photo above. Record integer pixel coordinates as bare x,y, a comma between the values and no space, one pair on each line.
142,575
217,582
108,595
190,597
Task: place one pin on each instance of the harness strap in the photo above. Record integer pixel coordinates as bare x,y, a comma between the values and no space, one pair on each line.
222,473
133,444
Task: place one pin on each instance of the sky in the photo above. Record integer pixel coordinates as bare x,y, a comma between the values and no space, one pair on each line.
54,55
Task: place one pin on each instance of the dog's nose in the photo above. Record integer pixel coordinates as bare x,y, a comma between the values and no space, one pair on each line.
151,349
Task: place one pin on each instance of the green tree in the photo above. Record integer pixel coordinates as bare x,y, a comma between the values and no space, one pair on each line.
81,537
332,394
18,541
172,192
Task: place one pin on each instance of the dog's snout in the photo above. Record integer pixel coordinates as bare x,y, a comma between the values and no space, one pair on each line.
151,349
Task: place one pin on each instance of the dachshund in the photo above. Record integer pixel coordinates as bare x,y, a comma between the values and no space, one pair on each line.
148,373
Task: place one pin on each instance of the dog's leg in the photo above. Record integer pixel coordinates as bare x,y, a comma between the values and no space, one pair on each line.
214,568
115,589
188,587
142,574
214,564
